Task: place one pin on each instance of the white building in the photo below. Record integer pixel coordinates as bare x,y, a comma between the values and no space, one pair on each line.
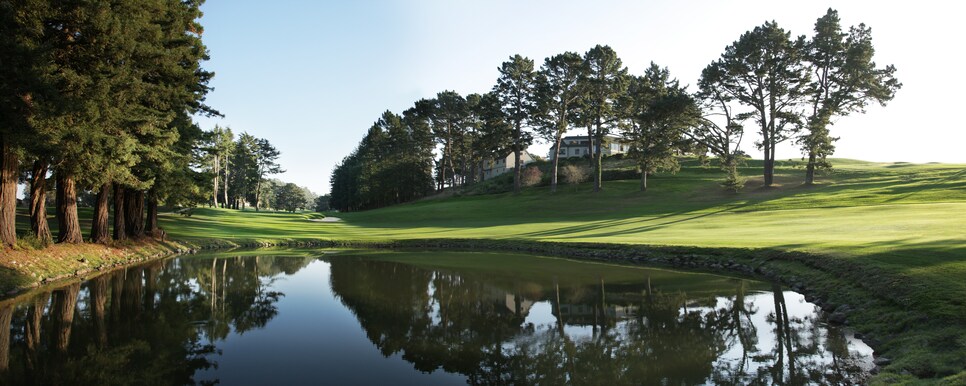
577,146
495,167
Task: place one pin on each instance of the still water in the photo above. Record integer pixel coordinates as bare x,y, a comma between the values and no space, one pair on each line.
421,318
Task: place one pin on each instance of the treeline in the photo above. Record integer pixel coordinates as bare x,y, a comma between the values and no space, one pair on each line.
784,88
101,95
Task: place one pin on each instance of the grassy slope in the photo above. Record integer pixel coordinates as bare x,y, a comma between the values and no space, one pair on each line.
899,217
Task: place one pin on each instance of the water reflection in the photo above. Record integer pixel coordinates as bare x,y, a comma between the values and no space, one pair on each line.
540,331
547,321
152,324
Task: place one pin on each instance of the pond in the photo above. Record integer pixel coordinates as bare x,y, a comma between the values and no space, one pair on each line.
421,318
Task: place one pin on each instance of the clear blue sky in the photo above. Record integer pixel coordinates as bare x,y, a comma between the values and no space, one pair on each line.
312,76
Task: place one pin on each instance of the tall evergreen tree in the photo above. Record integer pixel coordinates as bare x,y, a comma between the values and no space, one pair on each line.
557,95
659,110
495,131
449,115
603,81
23,54
266,163
845,80
514,88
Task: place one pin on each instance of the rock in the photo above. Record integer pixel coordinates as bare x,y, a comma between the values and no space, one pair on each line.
858,335
828,306
882,361
843,308
837,318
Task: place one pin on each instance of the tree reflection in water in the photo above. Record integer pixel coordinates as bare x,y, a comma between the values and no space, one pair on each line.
153,324
547,321
479,326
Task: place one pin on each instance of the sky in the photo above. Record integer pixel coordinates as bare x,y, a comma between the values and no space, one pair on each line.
313,76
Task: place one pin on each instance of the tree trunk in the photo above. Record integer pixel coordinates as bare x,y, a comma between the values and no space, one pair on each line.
151,225
517,170
120,229
69,225
769,164
100,230
38,203
598,163
810,169
227,171
643,179
214,188
9,168
556,163
134,211
258,193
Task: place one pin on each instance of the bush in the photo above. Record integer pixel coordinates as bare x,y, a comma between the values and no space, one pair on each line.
573,174
531,176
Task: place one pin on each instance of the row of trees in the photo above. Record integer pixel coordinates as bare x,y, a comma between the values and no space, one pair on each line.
101,94
787,89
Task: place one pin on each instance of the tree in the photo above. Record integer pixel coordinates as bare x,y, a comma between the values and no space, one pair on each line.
219,146
514,88
419,157
602,82
322,203
24,50
289,197
845,80
557,94
763,69
266,156
719,128
449,114
242,176
658,110
495,133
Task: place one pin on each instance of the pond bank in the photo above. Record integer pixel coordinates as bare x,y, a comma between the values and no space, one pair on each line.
875,303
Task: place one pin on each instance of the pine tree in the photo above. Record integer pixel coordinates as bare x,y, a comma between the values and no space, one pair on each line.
557,96
603,81
845,80
763,70
514,88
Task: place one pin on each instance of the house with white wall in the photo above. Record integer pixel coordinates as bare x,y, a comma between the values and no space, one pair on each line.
495,167
579,146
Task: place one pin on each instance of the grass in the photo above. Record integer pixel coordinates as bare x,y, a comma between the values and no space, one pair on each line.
889,231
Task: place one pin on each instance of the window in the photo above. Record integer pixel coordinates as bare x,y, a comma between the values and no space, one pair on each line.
576,151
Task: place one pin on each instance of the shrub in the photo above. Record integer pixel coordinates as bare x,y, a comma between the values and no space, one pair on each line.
531,176
573,174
